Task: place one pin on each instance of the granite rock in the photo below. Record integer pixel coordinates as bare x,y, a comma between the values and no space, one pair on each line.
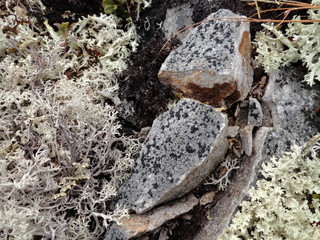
292,105
232,131
207,198
293,108
246,139
213,64
183,146
241,114
255,115
139,224
177,18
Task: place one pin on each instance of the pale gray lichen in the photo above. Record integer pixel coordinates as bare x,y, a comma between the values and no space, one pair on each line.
62,156
286,203
228,165
299,41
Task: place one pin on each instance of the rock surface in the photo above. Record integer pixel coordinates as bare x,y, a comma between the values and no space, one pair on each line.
136,224
255,115
207,198
293,108
184,145
177,18
232,131
224,209
246,139
213,63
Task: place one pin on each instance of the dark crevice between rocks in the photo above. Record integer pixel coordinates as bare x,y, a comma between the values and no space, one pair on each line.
139,84
140,87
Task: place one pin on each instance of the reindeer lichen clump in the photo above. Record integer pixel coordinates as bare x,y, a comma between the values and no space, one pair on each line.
62,155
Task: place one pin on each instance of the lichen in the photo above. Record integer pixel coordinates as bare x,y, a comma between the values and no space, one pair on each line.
299,41
62,156
284,204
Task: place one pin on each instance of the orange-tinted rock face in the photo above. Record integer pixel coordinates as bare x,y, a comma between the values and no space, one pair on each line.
214,96
245,46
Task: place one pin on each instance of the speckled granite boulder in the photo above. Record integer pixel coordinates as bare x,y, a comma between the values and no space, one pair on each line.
293,107
177,18
183,146
213,63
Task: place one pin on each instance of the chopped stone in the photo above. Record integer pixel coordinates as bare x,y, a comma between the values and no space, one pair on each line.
241,114
183,146
255,115
246,139
223,210
138,224
163,235
207,198
143,134
213,63
177,18
232,131
187,217
292,105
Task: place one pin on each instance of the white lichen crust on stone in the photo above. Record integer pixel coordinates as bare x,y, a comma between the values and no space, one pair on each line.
292,105
255,115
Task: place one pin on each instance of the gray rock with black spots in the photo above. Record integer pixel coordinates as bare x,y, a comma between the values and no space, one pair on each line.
183,146
213,64
293,107
255,115
294,121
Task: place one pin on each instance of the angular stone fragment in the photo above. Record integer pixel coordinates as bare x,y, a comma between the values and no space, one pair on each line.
246,139
207,198
241,114
232,131
223,210
213,63
177,18
137,224
293,106
184,145
255,115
